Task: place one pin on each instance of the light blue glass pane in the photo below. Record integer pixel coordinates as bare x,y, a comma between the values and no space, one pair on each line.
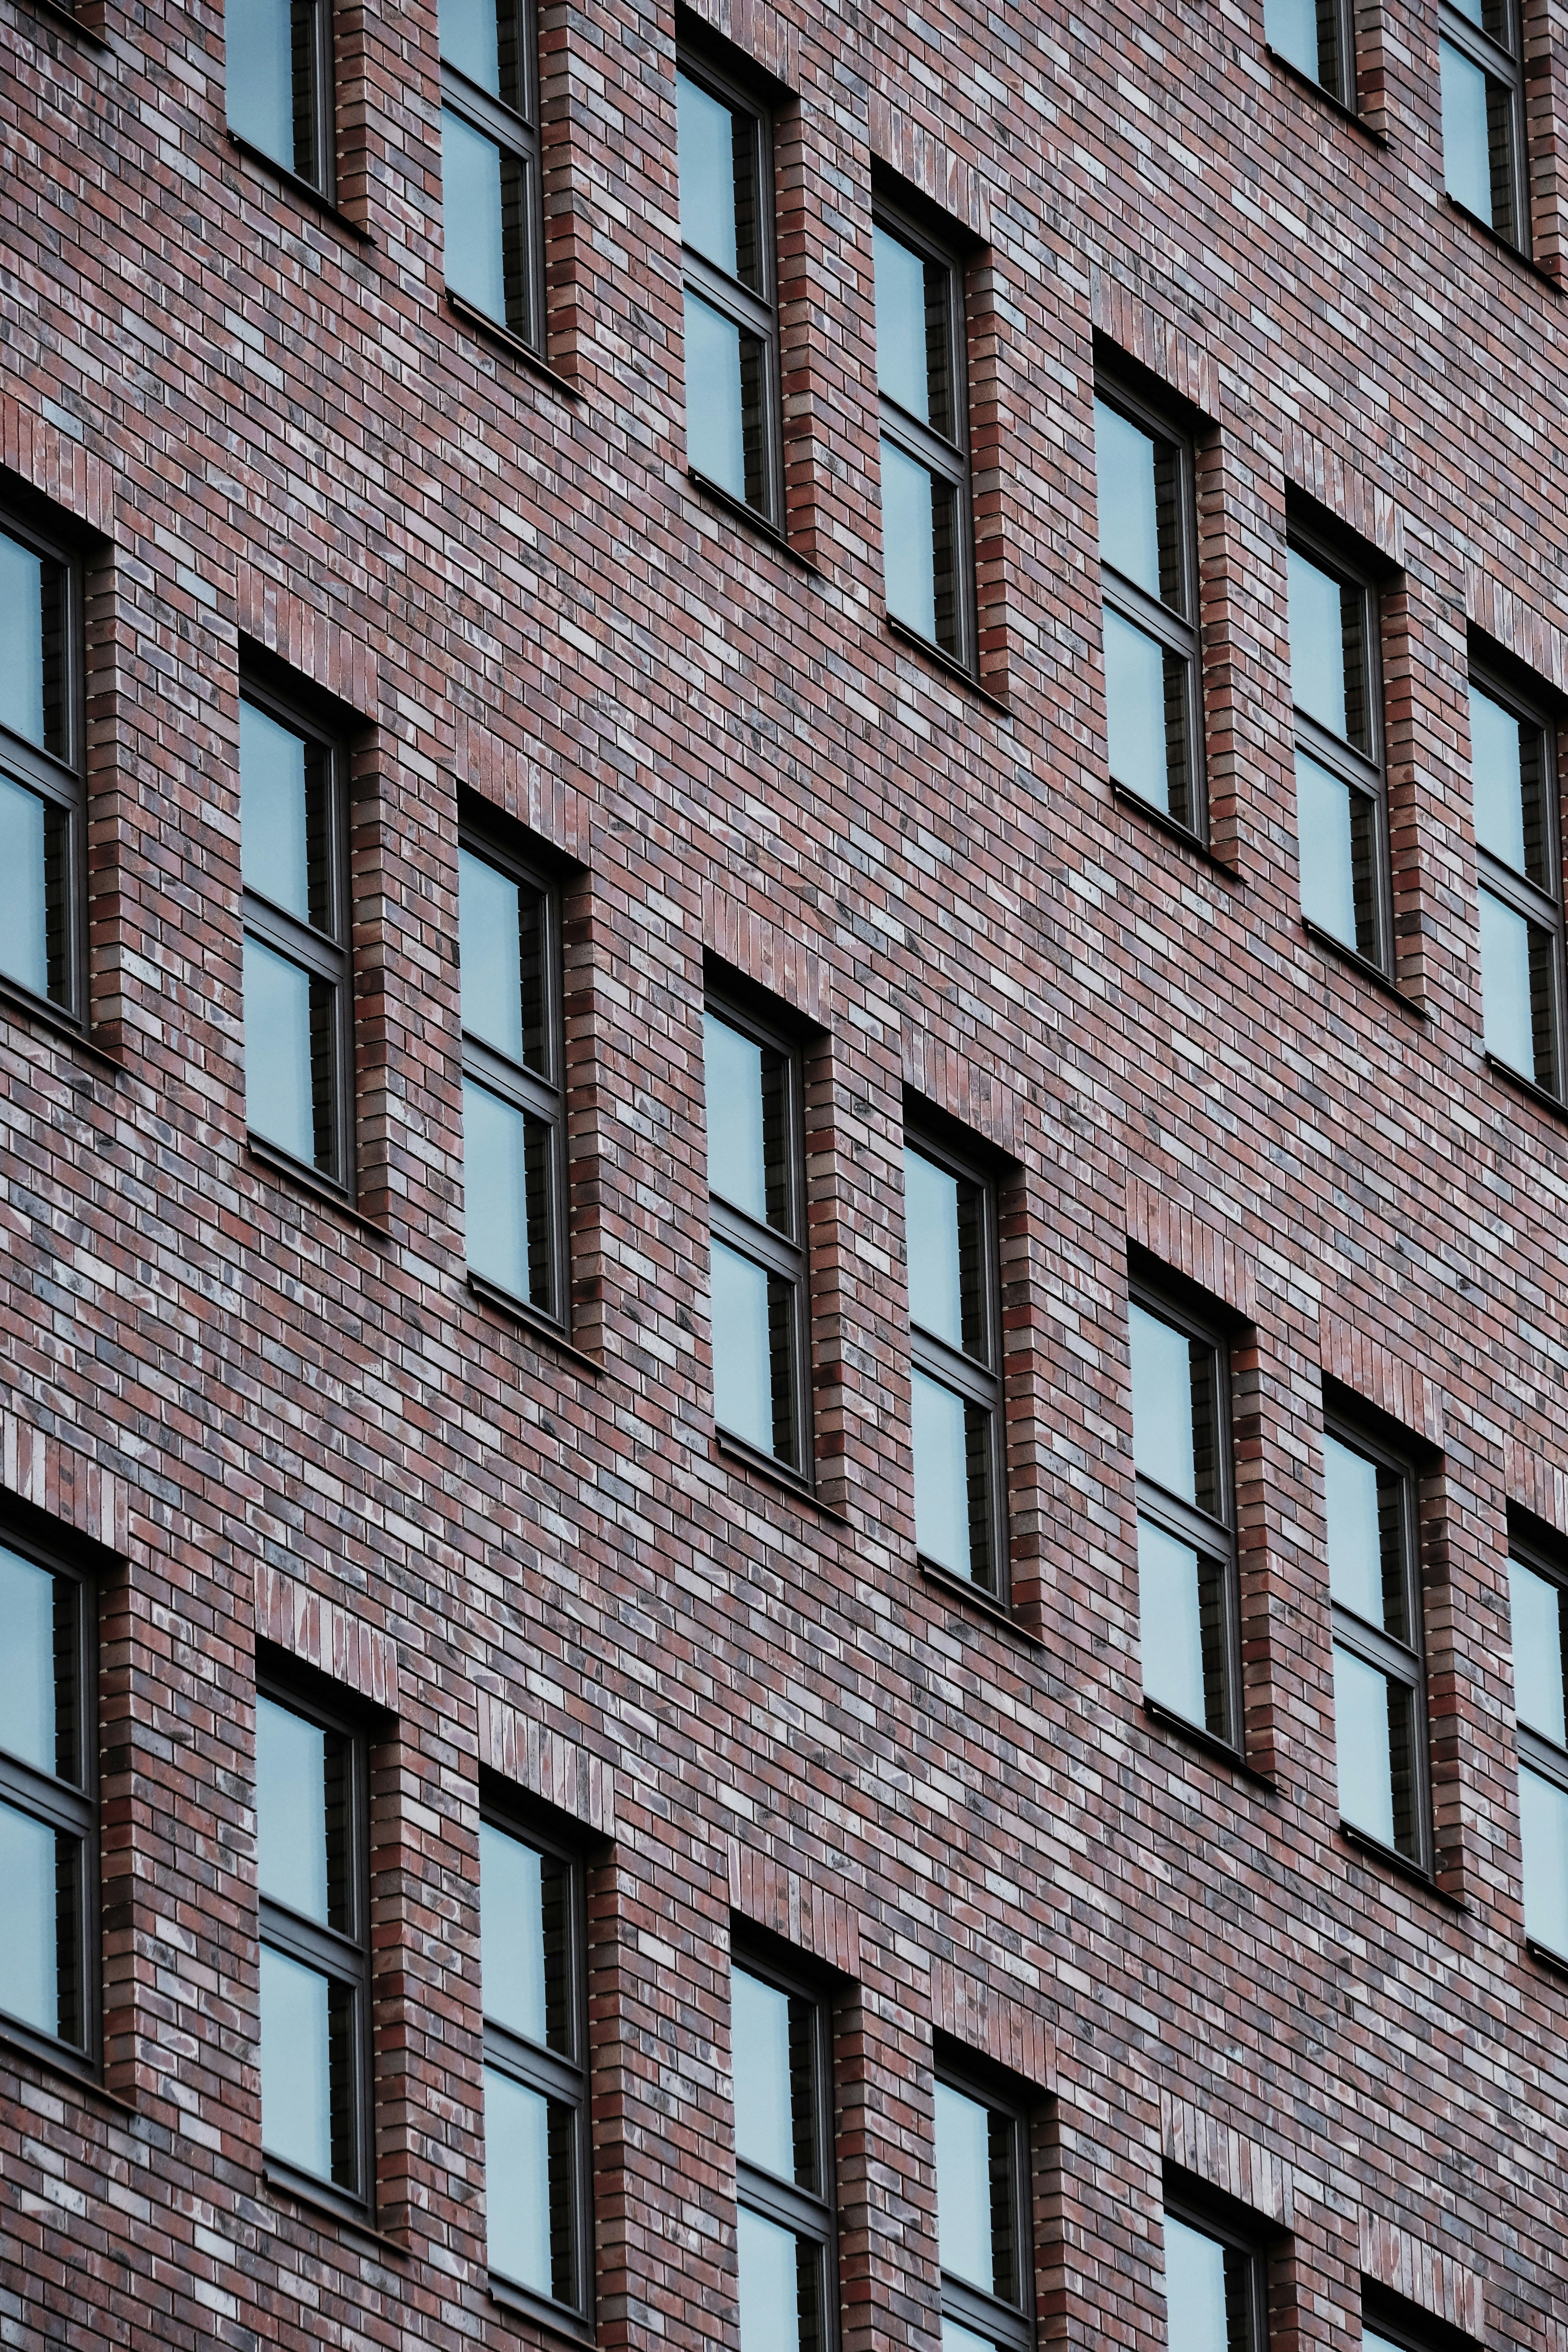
1371,2343
1162,1405
511,1934
956,2338
705,130
23,907
291,1809
1171,1622
1355,1547
472,211
1128,513
516,2182
1194,2290
1507,1024
765,2120
1317,644
930,1234
965,2242
909,541
941,1475
470,40
1135,711
258,70
737,1139
743,1370
278,1082
296,2063
1496,780
770,2297
26,1661
495,1188
715,399
1535,1605
1291,26
1466,135
1364,1749
490,936
29,1982
1543,1829
21,640
1328,863
274,851
902,370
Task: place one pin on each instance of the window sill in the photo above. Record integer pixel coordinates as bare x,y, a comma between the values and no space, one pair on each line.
547,2317
64,16
494,332
1501,244
518,1311
297,186
1527,1086
1555,1963
48,1016
279,1164
1219,1751
945,663
1358,962
1311,89
1372,1850
974,1596
286,2182
78,2072
759,523
735,1451
1175,830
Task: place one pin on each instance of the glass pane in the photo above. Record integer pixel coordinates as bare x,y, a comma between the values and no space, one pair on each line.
525,1939
917,545
743,1348
770,2286
1320,656
296,2063
911,331
737,1082
1466,135
274,817
21,640
1325,820
1371,2343
24,886
1195,2291
470,40
933,1241
1366,1538
1129,506
282,1008
1146,706
259,69
1366,1755
1507,995
529,2188
1169,1378
30,1948
291,1808
1291,26
473,210
956,2338
716,397
492,917
505,1191
968,2191
1497,781
774,2088
28,1665
941,1475
1171,1605
1543,1828
706,133
1536,1605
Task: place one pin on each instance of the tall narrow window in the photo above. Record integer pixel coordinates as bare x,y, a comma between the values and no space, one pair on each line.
1214,2288
48,1809
1186,1523
756,1185
984,2241
783,2163
922,384
299,1012
1342,818
1148,570
491,204
949,1225
1316,37
312,1877
42,817
514,1135
731,318
1483,113
277,72
1540,1676
1380,1700
538,2158
1514,780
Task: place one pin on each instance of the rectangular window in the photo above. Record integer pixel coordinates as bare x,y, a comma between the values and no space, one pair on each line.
42,783
1214,2287
781,2039
756,1180
1186,1521
985,2237
1318,37
1513,773
1380,1692
1340,803
491,204
312,1877
299,1010
537,2156
514,1128
1148,586
726,148
922,385
48,1807
955,1334
1483,113
1540,1652
277,72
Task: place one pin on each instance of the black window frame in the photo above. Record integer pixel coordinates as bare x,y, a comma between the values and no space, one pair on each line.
1535,1752
1245,2250
1502,62
1008,2326
315,112
518,132
1337,17
1364,774
813,2218
57,778
1541,908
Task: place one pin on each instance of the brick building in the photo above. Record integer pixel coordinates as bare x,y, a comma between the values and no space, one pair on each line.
919,1407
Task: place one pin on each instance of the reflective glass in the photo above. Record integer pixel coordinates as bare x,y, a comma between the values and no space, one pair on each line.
1195,2291
274,839
279,1101
705,130
1355,1538
528,2176
1164,1445
21,639
1129,507
470,40
931,1242
1327,839
941,1475
715,397
1371,2343
1543,1829
291,1809
1365,1752
966,2237
258,69
1317,644
904,370
737,1124
296,2063
1466,134
24,887
1507,1005
495,1189
27,1663
908,539
490,931
1291,26
473,213
1135,711
956,2338
742,1362
1169,1611
29,1965
1536,1606
770,2293
765,2104
512,1957
1497,778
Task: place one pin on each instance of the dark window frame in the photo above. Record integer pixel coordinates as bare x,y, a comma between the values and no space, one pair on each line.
1365,772
1502,62
1541,908
315,116
1340,17
1009,2326
518,132
60,779
808,2216
1187,2203
1535,1752
1388,2315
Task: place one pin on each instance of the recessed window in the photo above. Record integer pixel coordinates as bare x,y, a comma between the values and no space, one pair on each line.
984,2240
1483,113
1539,1678
784,2162
1513,775
42,788
490,207
514,1135
731,317
277,74
922,384
1148,570
1380,1701
1340,803
314,1880
1317,37
538,2156
48,1807
1214,2288
950,1230
1187,1526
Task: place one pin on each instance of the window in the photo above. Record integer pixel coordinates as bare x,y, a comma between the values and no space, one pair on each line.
1316,37
490,204
922,384
42,792
1214,2287
1380,1702
1483,113
48,1809
756,1184
299,1014
1148,570
732,322
514,1132
783,2163
985,2241
533,1955
1341,812
1536,1600
956,1331
1187,1526
1514,780
278,71
314,1880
